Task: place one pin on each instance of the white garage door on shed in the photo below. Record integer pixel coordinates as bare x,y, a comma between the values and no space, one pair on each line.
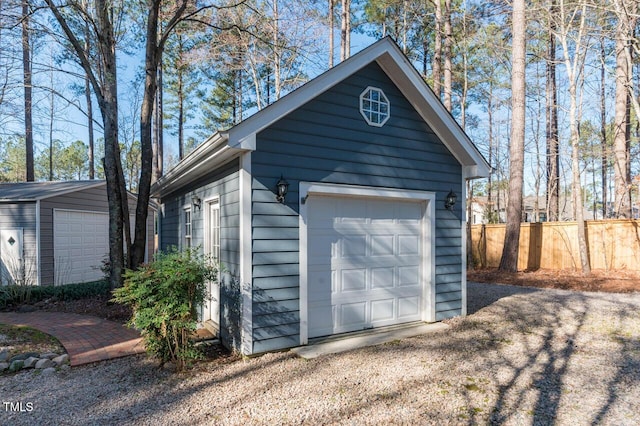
81,242
367,261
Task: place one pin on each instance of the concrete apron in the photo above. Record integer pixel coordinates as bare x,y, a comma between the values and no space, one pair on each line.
362,339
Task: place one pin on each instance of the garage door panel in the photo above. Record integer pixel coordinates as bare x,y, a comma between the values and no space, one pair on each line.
81,242
373,248
382,277
353,280
382,245
382,310
409,308
408,276
352,314
408,245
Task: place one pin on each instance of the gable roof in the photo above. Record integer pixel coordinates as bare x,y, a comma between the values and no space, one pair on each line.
223,146
34,191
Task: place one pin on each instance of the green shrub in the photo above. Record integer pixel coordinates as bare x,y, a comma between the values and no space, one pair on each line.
16,294
164,296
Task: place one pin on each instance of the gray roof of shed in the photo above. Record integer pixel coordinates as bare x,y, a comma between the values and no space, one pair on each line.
34,191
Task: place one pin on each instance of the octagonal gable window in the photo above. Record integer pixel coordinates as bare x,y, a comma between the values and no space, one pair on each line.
374,106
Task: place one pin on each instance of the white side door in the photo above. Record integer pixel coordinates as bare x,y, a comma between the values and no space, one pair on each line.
212,250
11,256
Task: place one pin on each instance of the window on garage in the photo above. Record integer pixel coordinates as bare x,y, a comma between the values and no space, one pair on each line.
187,227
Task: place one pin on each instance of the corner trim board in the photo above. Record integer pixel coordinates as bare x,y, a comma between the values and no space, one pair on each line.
246,244
38,262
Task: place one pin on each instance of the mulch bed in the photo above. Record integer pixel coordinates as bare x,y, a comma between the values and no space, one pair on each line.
99,306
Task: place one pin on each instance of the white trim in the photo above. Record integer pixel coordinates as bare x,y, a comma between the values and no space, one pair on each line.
246,285
307,189
38,262
429,253
386,102
463,249
207,219
183,226
302,262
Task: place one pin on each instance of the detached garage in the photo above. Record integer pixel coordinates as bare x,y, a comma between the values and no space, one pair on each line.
54,233
333,210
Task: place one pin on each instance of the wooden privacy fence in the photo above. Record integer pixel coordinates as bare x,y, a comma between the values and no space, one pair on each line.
612,244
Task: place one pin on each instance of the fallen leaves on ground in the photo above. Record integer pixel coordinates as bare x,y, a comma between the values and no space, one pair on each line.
605,281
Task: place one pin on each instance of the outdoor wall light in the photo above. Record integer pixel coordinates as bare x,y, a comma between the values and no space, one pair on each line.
196,201
282,188
450,201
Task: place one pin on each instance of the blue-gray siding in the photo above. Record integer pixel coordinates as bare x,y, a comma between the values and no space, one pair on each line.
327,140
222,183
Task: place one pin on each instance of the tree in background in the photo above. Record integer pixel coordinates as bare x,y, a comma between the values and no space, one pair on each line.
180,83
572,34
28,87
553,142
69,162
624,35
13,159
103,77
509,260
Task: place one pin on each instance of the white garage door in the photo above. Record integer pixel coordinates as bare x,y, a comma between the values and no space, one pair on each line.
364,263
81,242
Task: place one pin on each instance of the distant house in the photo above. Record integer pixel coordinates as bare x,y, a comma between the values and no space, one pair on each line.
328,208
55,233
533,210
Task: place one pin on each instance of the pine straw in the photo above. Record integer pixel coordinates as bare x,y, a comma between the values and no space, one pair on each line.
598,280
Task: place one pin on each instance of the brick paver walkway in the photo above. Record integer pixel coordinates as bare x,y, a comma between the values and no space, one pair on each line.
86,338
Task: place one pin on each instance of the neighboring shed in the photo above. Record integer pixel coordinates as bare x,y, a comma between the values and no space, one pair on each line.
362,239
54,233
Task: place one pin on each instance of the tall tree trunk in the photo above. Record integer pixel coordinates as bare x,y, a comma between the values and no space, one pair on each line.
87,95
181,101
345,30
553,154
276,51
573,69
509,260
51,117
106,90
576,185
604,150
153,58
112,167
28,110
448,68
91,153
621,136
331,26
437,50
490,159
160,122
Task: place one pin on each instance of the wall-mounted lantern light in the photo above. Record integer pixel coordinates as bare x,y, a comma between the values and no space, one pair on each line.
450,201
196,201
282,187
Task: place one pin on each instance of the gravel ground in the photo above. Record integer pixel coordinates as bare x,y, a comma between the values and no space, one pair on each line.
523,356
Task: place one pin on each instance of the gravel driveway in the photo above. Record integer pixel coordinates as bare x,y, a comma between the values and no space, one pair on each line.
522,356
